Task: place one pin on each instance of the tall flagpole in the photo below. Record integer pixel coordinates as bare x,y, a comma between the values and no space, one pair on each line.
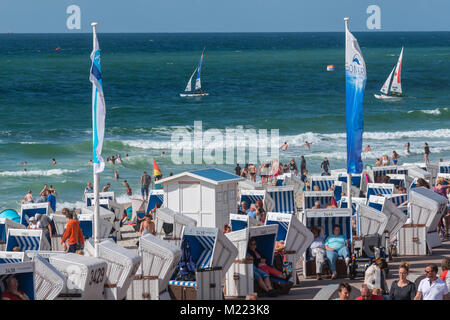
96,175
349,175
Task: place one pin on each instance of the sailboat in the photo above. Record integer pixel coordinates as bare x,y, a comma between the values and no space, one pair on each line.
392,87
198,84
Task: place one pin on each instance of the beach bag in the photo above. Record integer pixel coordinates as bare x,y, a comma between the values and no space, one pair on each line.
186,266
167,228
52,224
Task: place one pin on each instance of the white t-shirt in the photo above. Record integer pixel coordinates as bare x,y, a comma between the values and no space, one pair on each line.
435,291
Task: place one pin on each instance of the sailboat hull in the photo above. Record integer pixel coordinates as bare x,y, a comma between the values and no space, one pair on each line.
187,95
385,97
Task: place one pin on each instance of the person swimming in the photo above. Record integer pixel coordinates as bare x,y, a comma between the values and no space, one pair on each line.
307,144
284,146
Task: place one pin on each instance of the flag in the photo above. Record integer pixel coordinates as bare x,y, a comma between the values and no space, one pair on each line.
156,169
98,106
355,74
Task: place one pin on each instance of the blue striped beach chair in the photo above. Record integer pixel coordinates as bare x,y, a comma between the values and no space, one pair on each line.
29,210
444,167
251,196
309,197
327,218
323,182
375,173
283,198
398,199
379,188
213,255
26,239
87,224
12,257
23,272
155,196
242,221
356,178
6,224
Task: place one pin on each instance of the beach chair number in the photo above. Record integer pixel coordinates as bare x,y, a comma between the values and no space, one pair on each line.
10,270
97,276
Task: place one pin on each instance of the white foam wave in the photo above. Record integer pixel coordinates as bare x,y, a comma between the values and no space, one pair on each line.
435,112
28,142
69,205
52,172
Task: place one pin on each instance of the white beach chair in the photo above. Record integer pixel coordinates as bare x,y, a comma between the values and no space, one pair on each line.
12,257
343,203
296,237
427,207
379,188
242,221
323,182
89,198
159,260
444,167
251,196
283,199
239,279
29,210
23,272
169,225
122,267
370,221
330,292
375,173
48,281
85,276
5,225
400,180
154,197
398,199
327,218
26,239
213,254
87,223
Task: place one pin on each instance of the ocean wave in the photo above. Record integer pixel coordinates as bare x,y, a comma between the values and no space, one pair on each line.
52,172
69,205
435,112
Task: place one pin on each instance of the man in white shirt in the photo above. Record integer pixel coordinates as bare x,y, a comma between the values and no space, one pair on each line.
432,288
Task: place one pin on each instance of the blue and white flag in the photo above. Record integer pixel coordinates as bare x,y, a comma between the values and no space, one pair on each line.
98,106
355,74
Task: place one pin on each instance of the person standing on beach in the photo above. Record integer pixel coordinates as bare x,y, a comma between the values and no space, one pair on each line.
51,199
146,180
302,164
427,153
44,223
28,198
237,170
395,157
126,185
432,288
72,234
88,189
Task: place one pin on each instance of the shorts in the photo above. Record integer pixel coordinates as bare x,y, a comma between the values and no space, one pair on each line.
144,189
259,273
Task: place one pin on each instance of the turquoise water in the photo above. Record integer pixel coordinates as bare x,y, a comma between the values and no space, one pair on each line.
257,81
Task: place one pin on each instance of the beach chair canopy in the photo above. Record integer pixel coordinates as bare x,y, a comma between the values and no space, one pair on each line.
296,237
379,188
327,218
426,207
87,225
343,203
265,237
12,257
122,266
283,198
23,272
323,182
29,210
159,258
10,214
398,198
375,173
60,222
396,217
6,224
26,239
251,196
370,221
209,247
169,217
250,185
444,167
85,276
48,281
155,196
242,221
102,195
309,197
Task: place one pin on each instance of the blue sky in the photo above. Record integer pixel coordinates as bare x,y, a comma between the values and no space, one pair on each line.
27,16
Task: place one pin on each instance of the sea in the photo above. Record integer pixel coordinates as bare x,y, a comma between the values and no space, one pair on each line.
256,81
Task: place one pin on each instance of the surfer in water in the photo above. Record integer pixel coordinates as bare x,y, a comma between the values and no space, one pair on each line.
367,149
407,147
307,144
284,146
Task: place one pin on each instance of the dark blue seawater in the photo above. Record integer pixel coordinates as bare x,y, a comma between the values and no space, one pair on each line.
256,80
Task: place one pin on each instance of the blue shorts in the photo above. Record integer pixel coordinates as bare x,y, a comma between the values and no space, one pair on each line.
144,189
259,273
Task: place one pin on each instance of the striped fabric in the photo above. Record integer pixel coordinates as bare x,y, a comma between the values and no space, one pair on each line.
183,283
398,199
23,242
28,213
375,205
324,185
250,198
444,168
379,189
204,261
402,171
380,171
86,228
345,223
2,232
399,182
5,260
284,201
414,183
356,179
153,199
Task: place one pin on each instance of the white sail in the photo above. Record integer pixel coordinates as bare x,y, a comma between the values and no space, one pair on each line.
385,87
198,84
189,86
397,81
